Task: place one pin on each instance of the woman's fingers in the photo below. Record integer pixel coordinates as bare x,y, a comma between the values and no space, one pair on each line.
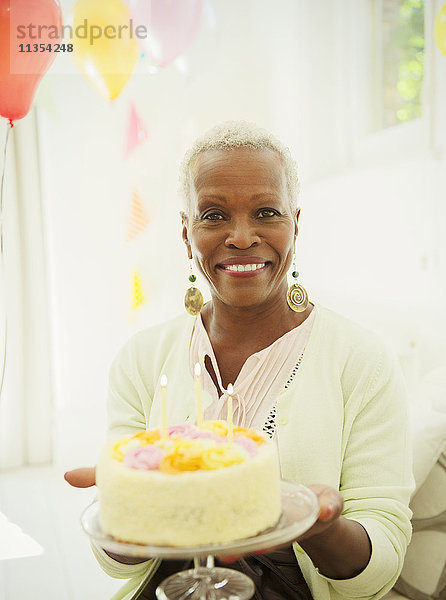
81,478
331,502
229,559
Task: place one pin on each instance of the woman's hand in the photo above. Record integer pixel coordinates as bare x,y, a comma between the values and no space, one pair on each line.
81,478
338,546
331,504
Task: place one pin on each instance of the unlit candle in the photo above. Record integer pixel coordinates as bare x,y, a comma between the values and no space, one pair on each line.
230,423
198,396
164,407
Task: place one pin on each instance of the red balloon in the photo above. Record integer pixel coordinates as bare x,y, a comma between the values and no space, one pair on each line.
23,25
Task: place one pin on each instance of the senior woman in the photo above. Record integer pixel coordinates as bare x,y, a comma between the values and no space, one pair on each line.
328,390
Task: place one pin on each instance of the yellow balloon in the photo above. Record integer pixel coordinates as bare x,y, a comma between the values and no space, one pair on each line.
105,47
440,29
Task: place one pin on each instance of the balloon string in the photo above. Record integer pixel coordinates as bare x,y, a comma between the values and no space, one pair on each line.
2,268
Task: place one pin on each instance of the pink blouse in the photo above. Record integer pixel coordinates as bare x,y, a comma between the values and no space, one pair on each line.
260,381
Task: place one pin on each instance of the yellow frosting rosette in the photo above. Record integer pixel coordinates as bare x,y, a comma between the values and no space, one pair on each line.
220,456
116,451
122,446
218,427
143,438
192,456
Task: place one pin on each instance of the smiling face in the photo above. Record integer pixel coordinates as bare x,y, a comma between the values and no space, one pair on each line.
240,227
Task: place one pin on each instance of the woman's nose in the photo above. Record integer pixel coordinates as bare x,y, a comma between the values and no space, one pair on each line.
242,235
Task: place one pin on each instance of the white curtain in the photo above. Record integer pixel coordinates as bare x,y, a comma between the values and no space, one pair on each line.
26,399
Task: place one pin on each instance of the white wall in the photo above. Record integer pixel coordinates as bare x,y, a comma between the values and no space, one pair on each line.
370,235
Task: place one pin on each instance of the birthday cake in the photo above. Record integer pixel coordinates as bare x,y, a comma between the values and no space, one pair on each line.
190,486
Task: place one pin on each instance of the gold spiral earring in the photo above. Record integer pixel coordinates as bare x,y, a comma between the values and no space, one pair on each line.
296,296
193,300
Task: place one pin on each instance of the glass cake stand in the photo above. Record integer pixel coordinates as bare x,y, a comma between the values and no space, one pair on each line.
300,509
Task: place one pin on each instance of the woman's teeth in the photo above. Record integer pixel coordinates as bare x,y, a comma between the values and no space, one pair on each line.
252,267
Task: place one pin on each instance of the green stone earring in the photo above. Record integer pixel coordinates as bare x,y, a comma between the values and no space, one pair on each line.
193,300
296,296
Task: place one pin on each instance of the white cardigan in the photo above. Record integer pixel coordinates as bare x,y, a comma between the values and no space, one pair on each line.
343,422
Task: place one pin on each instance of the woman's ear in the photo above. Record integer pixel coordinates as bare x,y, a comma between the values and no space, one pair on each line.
185,235
296,221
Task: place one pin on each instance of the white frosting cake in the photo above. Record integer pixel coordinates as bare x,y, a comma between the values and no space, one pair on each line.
193,488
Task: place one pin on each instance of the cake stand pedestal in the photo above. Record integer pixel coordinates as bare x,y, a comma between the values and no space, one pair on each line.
206,582
300,509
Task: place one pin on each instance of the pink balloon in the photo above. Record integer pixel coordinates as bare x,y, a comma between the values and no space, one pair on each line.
24,22
171,26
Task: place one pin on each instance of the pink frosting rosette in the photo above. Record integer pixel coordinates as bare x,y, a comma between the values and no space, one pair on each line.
190,432
247,443
182,429
147,458
208,435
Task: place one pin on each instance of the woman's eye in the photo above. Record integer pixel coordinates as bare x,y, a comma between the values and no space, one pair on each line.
268,212
212,216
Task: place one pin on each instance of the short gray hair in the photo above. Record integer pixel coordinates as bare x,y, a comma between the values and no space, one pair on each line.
239,134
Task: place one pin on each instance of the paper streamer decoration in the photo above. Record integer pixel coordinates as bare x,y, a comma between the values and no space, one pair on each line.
136,131
138,298
138,218
440,29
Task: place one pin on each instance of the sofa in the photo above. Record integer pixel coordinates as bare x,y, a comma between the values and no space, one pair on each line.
424,572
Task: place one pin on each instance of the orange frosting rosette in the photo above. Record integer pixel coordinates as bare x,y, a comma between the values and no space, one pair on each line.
191,456
251,434
148,437
221,429
182,456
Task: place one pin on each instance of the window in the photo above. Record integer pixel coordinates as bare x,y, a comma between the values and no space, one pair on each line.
398,40
391,69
